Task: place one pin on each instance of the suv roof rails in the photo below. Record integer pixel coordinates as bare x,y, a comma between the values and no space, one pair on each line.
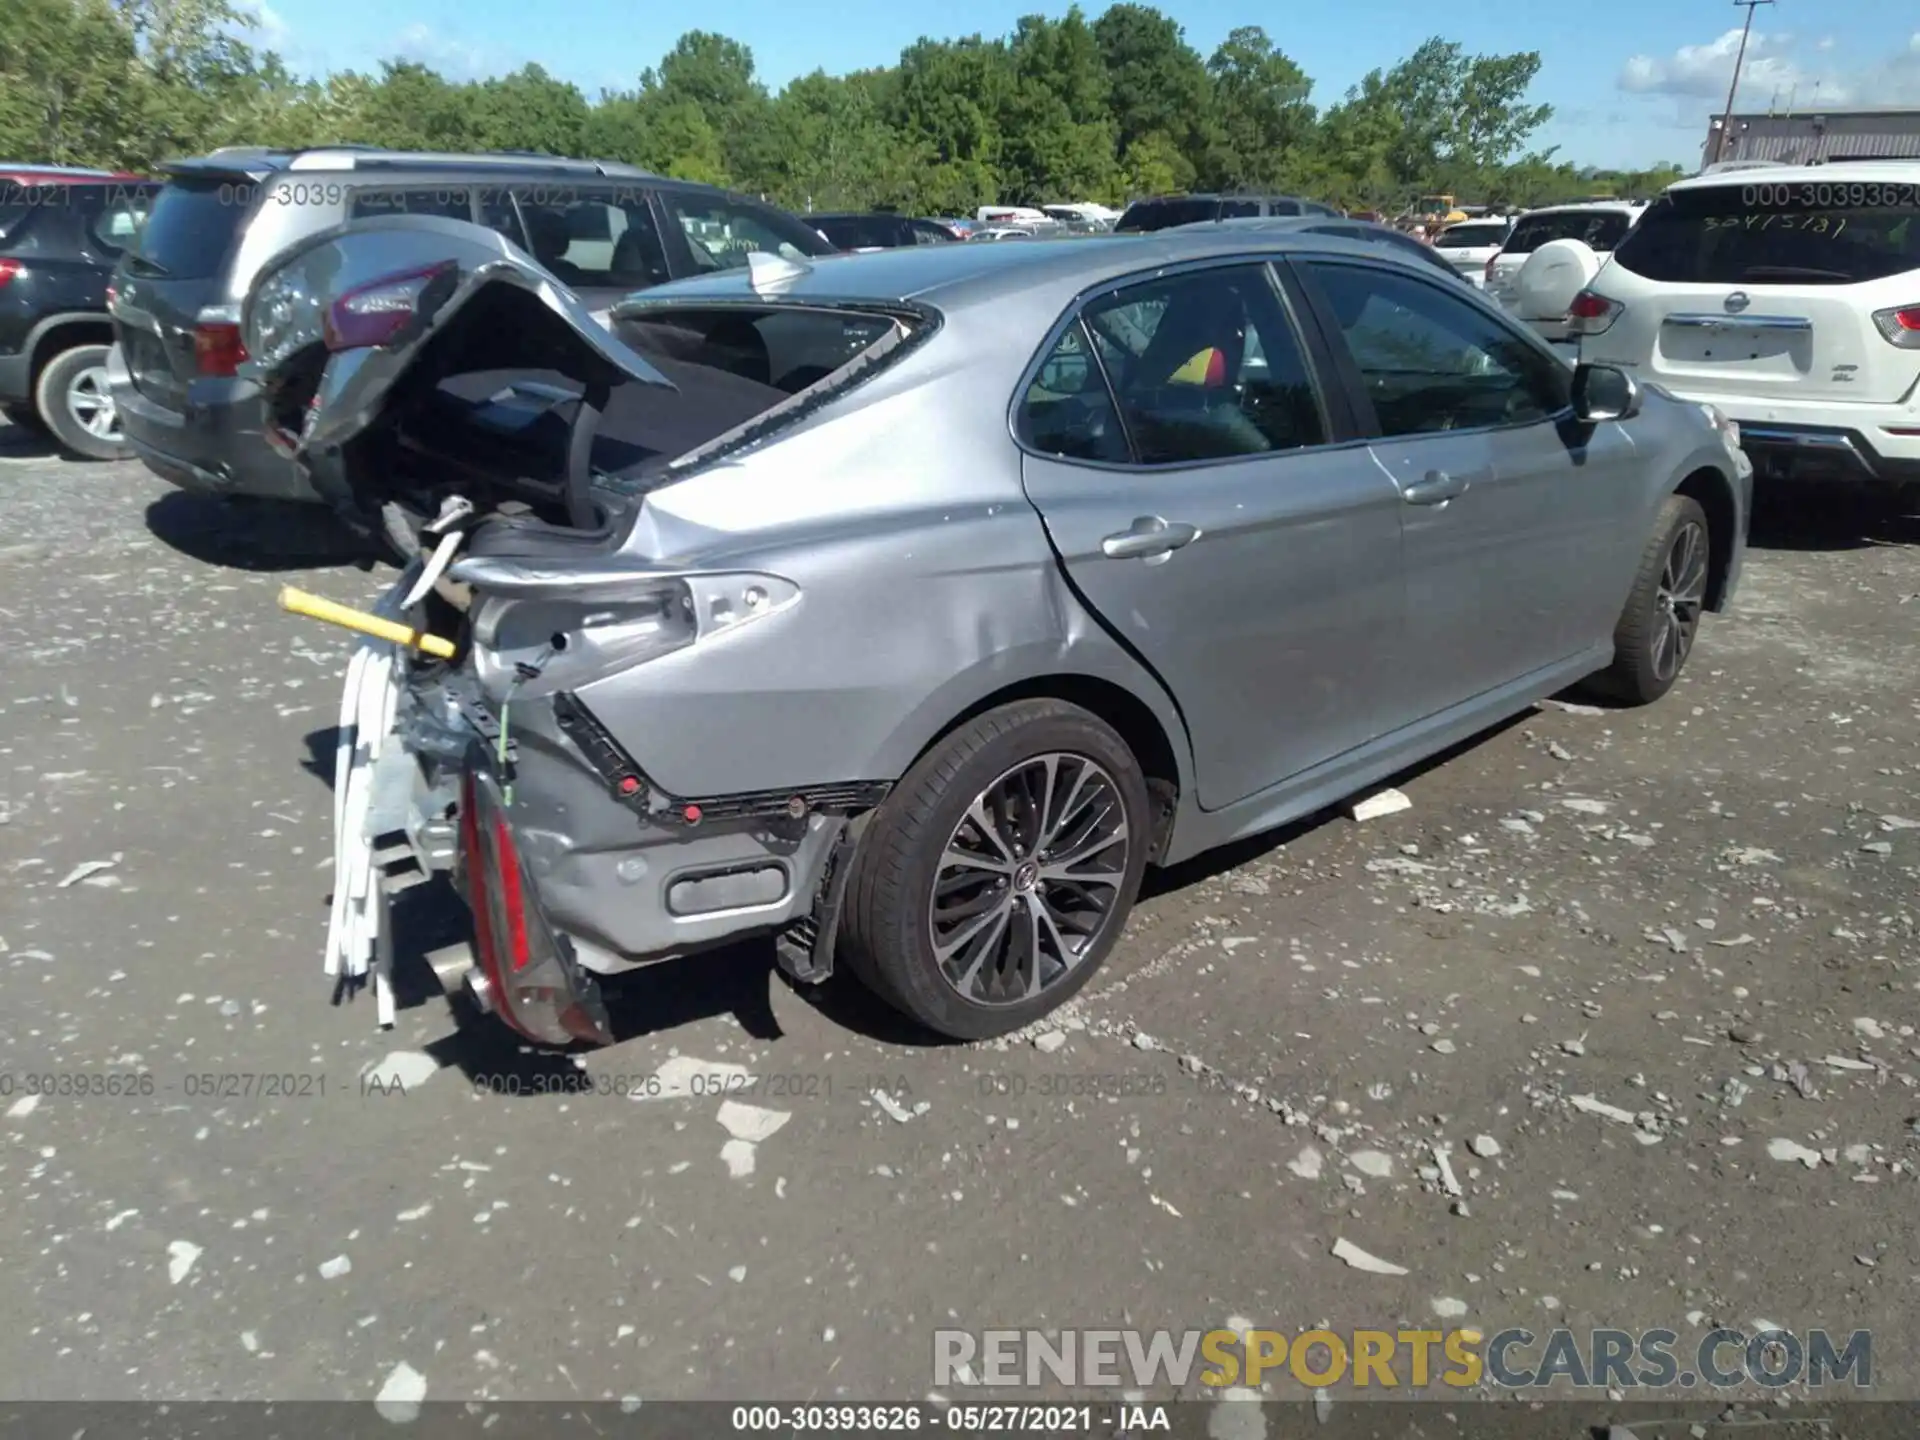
356,156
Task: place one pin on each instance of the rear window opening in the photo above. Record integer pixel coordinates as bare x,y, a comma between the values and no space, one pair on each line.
1471,237
191,230
487,410
1773,234
1599,230
1148,215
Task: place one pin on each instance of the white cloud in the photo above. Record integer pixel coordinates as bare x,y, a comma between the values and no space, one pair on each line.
453,58
1775,71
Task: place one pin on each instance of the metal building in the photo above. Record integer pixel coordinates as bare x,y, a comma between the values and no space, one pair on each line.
1811,137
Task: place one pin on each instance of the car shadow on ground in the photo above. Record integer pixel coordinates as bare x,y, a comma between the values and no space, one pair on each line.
17,442
246,533
1835,518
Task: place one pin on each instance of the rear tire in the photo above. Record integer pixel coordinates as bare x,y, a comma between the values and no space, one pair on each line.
76,405
1661,620
1009,820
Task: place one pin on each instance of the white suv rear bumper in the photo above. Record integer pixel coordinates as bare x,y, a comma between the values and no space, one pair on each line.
1819,440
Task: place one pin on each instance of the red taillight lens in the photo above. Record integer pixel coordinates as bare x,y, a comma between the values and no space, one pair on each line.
377,313
9,269
1591,314
217,349
1900,325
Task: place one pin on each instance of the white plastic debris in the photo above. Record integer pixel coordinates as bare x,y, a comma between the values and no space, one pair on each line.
1383,803
82,871
750,1122
402,1070
1306,1164
23,1107
739,1158
1446,1307
399,1399
1361,1260
1372,1162
1590,1105
1442,1157
1870,1028
1784,1149
683,1075
1586,807
1485,1146
181,1255
336,1267
900,1113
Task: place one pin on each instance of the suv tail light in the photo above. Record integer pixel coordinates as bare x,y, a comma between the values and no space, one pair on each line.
1900,325
381,311
217,347
1592,314
9,269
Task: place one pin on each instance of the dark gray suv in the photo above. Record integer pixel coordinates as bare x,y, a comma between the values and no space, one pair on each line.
602,229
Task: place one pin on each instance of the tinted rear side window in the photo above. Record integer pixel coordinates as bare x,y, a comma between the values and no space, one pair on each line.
1775,234
193,226
450,203
854,232
1471,237
722,230
1161,214
11,214
1601,230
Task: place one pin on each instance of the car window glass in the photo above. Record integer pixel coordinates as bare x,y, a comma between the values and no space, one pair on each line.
497,213
1433,362
722,232
1282,207
1600,230
193,227
1235,209
1776,235
594,238
1206,365
121,215
925,232
1471,236
452,202
1068,411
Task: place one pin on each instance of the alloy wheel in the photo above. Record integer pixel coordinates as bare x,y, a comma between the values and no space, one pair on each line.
1679,600
1030,879
90,401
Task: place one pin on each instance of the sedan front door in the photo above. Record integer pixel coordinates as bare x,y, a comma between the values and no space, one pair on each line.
1194,482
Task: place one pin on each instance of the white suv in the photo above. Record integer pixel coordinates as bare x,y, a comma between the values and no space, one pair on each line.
1551,255
1469,245
1790,299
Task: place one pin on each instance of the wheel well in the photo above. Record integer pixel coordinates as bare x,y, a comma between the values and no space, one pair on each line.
66,335
1709,488
1125,712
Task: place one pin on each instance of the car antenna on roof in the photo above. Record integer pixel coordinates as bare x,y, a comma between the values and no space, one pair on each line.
768,273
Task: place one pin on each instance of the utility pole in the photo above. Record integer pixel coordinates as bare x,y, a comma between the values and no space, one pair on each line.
1726,120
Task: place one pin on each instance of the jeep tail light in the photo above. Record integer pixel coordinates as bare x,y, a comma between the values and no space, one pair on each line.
9,269
1901,326
382,311
217,347
1592,314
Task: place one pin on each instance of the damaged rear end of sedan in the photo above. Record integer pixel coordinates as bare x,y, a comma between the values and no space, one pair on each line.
646,698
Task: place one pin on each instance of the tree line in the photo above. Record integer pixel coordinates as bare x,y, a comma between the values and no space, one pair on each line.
1104,109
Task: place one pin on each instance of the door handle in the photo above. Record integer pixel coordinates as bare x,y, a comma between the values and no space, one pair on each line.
1150,536
1436,487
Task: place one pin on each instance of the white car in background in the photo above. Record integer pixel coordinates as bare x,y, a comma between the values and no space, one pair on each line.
1469,245
1790,299
1551,256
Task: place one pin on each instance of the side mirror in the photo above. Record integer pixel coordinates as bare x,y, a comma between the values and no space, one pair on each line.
1601,392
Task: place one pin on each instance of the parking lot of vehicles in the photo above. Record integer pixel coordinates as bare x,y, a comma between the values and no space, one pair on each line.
1163,212
61,233
1469,245
1789,298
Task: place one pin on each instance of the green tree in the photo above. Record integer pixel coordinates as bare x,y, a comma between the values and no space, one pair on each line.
529,110
1260,103
1158,82
71,90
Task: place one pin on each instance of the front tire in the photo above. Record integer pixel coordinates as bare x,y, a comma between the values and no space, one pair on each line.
75,402
1001,870
1661,620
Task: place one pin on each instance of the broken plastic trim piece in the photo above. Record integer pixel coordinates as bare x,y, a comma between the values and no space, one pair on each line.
631,786
769,274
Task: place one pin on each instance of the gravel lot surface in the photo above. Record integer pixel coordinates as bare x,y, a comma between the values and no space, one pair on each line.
1652,978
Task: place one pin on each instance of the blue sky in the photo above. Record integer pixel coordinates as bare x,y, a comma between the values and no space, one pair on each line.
1632,81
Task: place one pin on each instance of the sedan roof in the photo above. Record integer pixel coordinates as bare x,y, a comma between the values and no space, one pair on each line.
955,277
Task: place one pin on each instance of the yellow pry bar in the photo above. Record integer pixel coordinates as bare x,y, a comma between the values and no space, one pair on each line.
314,607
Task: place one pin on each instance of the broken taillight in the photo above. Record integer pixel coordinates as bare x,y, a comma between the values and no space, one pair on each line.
380,311
217,347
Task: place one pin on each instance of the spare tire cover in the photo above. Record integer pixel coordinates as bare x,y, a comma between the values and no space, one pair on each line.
1552,276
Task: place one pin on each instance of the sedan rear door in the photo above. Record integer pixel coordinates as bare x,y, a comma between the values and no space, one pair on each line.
1193,478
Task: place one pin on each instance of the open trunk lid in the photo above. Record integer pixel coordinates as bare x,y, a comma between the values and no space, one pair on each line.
1764,290
414,360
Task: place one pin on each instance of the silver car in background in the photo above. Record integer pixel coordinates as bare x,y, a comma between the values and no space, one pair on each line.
905,607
